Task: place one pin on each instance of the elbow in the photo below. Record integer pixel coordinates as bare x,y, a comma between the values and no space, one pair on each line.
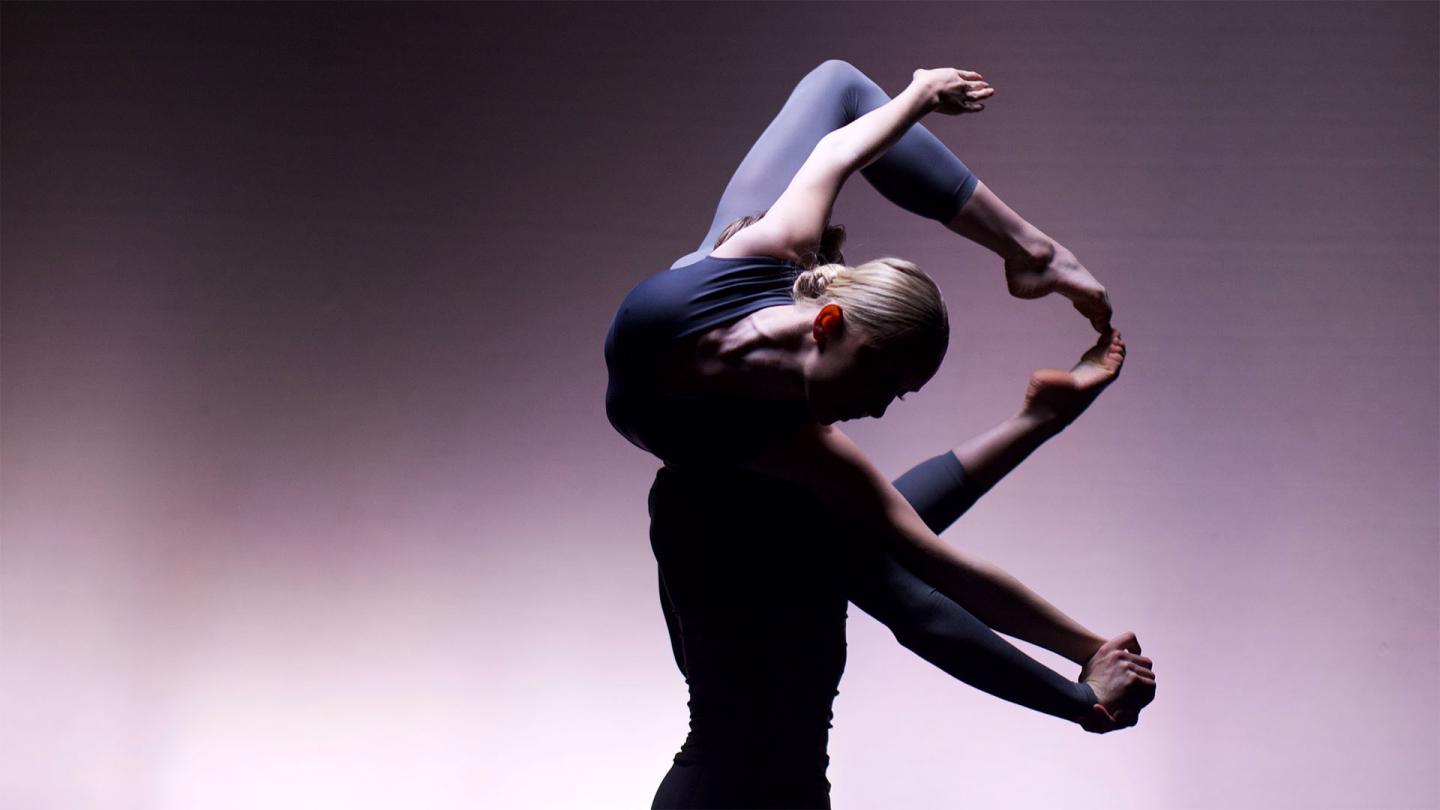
839,151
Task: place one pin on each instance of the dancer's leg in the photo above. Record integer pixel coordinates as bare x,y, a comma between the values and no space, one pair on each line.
918,173
940,489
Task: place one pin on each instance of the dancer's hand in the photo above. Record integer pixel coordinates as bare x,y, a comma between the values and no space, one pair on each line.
1055,398
1124,683
1048,267
956,91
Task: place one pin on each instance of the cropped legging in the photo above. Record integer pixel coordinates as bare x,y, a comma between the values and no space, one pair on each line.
918,173
754,580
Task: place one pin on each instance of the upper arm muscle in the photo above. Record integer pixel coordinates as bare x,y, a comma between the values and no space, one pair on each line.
795,222
827,463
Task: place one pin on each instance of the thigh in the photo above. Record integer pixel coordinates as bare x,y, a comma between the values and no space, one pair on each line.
823,100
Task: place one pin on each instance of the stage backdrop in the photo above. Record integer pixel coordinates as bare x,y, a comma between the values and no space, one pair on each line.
310,500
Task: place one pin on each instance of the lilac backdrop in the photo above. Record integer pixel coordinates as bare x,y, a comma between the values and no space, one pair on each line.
309,495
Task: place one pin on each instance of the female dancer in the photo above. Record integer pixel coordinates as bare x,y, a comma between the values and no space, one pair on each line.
733,367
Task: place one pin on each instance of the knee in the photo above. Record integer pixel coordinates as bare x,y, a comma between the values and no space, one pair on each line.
836,70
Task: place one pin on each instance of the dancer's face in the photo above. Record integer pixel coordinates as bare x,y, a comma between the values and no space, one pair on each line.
849,377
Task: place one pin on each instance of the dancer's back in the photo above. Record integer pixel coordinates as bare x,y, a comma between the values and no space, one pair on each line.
661,313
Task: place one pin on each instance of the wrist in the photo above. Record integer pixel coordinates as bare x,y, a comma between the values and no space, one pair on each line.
1086,645
926,94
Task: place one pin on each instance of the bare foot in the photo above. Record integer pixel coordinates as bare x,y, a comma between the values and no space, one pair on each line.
1050,267
1058,397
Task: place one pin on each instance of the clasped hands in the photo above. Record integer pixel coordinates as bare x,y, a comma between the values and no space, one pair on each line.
1124,683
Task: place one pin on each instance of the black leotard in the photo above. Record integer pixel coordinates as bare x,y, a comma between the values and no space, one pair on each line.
676,304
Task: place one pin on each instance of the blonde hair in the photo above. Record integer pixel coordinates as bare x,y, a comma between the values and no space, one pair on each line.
890,299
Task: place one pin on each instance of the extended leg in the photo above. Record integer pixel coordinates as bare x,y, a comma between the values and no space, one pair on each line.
918,173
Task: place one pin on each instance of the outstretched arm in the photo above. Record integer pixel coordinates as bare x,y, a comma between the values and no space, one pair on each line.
941,489
829,464
936,628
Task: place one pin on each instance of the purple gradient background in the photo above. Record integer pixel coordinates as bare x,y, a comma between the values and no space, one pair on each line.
309,495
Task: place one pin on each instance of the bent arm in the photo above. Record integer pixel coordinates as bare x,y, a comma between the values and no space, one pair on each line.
796,220
825,461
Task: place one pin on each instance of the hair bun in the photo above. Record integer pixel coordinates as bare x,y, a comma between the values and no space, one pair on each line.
812,283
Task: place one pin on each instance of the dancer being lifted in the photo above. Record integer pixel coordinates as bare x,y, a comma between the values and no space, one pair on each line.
733,367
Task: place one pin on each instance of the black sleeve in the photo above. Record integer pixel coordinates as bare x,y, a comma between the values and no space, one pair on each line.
935,627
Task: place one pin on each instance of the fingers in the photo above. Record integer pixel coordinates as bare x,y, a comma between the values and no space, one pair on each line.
973,89
1142,662
1102,721
1099,720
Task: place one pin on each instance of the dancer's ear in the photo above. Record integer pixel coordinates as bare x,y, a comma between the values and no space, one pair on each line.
828,323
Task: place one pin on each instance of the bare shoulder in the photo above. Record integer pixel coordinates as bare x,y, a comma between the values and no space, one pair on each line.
819,457
827,464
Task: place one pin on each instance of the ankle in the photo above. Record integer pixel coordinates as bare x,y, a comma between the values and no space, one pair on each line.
1032,249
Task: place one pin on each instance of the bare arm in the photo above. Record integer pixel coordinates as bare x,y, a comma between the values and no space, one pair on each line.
824,460
795,222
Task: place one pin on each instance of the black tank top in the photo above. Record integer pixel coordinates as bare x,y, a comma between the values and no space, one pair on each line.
689,432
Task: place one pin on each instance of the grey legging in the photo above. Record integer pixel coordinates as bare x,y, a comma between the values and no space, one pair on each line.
918,173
